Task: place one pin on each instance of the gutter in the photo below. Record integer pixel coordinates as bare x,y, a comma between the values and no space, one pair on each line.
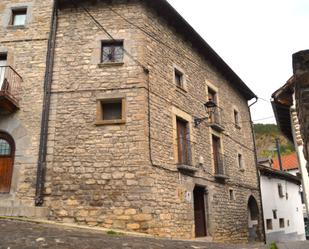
256,167
41,168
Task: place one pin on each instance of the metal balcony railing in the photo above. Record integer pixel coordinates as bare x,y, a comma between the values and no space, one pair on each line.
10,88
184,147
220,166
215,119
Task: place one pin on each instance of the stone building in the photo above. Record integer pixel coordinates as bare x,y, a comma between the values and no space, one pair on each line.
114,127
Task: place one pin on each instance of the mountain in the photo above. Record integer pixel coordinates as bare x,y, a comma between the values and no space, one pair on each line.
266,135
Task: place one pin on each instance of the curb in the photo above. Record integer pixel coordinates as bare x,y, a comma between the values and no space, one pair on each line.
69,225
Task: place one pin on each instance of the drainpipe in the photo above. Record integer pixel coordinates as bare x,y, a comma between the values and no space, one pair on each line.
257,171
279,153
41,170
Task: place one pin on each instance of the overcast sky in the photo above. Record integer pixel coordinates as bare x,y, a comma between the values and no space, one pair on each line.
255,37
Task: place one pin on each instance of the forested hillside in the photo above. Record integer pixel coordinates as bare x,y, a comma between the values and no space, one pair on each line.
266,135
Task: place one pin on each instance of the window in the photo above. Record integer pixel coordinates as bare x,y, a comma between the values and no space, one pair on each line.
275,214
240,161
232,194
110,111
288,223
214,114
183,142
19,17
3,61
216,156
302,197
281,223
112,52
236,118
280,190
179,78
269,224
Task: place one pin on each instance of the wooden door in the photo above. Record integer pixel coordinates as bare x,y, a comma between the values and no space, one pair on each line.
199,212
215,152
183,157
7,150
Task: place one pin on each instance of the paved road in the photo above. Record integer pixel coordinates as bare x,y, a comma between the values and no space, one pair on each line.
26,235
293,245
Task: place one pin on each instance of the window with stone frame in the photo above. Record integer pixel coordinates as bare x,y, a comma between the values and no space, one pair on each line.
110,111
240,161
112,51
236,118
179,78
19,16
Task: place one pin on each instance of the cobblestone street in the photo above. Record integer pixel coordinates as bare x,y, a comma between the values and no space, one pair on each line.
26,235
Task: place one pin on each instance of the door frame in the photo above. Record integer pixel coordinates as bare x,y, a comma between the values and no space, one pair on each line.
7,137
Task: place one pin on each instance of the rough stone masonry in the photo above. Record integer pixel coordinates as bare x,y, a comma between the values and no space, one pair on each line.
126,175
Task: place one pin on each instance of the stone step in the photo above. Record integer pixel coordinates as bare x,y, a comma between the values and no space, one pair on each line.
23,211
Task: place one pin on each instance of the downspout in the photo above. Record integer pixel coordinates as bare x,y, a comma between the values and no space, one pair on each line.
41,170
257,171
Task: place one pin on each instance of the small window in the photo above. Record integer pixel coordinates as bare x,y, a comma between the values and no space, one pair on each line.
232,194
179,78
288,223
19,17
269,224
275,214
302,197
110,111
240,161
5,148
236,118
280,190
281,223
112,52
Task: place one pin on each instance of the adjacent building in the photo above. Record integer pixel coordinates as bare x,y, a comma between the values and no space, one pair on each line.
124,117
282,205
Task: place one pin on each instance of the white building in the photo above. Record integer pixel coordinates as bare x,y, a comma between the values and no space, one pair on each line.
282,205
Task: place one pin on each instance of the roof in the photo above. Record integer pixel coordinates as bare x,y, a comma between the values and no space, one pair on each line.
180,25
281,103
273,173
289,162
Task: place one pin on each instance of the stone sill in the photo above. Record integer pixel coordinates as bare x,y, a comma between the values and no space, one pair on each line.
16,27
186,168
110,64
109,122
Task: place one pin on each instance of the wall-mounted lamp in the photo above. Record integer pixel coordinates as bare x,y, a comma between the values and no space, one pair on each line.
210,107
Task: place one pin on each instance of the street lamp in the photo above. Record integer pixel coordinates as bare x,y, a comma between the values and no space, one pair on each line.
210,107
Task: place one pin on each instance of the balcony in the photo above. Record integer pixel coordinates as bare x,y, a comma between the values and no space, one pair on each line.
185,163
10,90
220,167
215,120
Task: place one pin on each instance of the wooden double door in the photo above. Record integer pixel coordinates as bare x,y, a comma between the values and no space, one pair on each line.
7,153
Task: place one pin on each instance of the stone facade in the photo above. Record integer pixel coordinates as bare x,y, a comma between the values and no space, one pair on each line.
125,176
26,48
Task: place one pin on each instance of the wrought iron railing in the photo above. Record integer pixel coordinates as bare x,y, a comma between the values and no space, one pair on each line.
184,148
10,83
215,117
220,164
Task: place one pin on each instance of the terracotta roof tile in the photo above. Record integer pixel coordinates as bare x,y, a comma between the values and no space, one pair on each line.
289,162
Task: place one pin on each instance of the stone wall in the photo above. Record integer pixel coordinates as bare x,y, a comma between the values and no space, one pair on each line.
26,51
120,176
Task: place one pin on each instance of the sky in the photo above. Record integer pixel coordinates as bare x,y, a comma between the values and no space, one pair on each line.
256,38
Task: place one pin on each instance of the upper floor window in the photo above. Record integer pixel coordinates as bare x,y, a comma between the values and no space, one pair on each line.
179,78
112,51
240,161
236,118
216,155
183,142
19,17
110,111
280,190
